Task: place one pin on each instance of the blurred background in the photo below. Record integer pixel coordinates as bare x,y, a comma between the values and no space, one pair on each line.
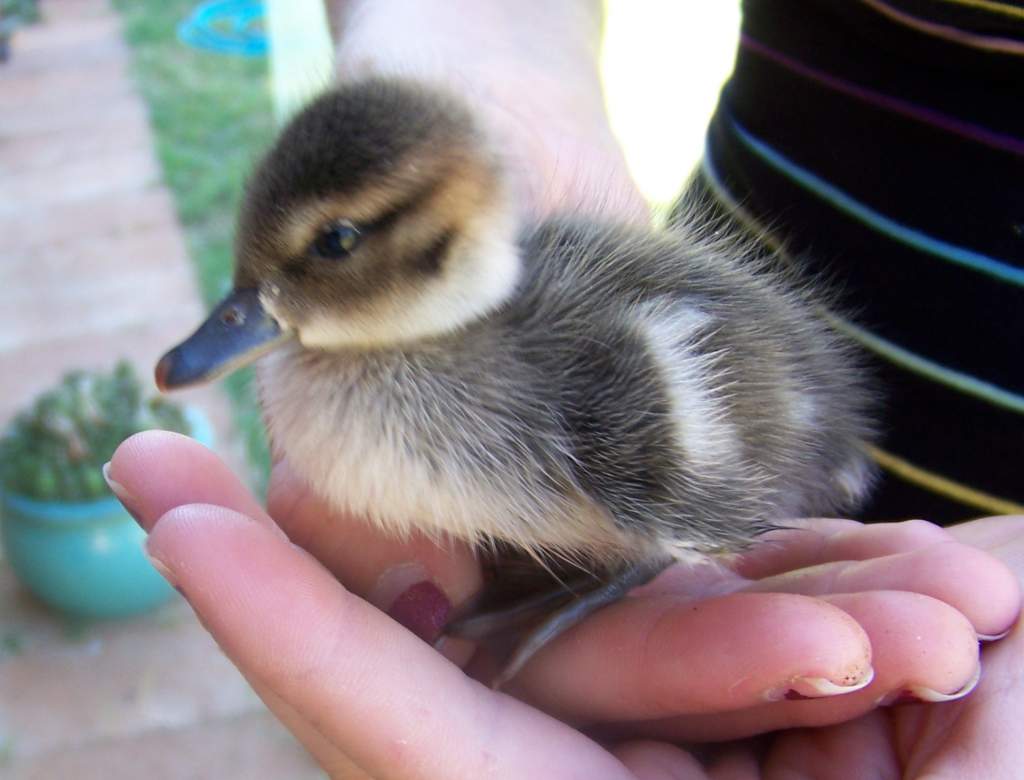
126,130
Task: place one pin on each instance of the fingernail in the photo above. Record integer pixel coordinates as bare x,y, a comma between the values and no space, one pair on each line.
408,594
161,568
994,637
930,695
817,687
423,609
919,694
121,493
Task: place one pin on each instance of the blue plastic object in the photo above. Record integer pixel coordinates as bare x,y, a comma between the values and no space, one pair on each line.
226,27
86,558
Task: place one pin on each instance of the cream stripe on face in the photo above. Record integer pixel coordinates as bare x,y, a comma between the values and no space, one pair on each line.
437,251
480,272
440,185
307,220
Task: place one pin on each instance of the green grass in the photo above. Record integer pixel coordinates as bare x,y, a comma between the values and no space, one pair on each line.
212,117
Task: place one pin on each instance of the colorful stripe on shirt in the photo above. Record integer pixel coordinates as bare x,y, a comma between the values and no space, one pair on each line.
889,163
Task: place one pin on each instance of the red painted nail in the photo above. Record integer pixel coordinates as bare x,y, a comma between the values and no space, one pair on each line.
423,609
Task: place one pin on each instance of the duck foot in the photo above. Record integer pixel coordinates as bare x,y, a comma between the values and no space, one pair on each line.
539,619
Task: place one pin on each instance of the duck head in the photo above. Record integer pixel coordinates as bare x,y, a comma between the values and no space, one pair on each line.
379,217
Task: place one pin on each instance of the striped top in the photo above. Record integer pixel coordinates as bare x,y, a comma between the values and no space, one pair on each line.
882,142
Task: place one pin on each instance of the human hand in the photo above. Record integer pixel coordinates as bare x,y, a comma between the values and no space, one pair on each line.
298,603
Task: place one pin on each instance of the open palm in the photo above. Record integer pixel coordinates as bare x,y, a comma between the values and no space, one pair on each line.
817,627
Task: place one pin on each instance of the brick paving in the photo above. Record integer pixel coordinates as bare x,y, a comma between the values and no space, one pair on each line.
93,267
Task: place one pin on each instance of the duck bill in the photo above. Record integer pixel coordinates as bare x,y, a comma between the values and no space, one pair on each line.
237,332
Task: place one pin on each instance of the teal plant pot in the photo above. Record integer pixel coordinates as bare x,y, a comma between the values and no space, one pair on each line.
86,558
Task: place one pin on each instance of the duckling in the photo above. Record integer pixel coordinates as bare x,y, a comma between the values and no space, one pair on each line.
577,390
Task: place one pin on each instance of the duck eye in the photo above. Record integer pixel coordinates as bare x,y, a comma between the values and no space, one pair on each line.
337,240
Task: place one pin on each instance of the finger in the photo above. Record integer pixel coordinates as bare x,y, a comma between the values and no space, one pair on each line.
420,582
368,562
657,761
381,696
972,581
979,731
923,650
654,657
1003,537
858,748
327,756
989,532
822,541
154,471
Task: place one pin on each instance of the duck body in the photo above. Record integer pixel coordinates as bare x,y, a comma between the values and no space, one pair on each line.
635,394
578,389
601,397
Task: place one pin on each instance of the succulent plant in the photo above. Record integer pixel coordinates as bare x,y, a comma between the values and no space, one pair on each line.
55,450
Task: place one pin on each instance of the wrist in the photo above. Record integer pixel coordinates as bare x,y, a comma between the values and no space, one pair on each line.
530,72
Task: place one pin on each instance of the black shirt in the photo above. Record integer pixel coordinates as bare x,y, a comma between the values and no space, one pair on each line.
881,144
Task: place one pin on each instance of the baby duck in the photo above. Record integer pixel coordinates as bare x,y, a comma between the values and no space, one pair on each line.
577,390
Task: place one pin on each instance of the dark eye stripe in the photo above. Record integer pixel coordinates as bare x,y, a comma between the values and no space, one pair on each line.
297,268
430,259
416,199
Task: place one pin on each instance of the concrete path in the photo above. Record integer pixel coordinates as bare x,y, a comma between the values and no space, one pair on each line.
93,267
